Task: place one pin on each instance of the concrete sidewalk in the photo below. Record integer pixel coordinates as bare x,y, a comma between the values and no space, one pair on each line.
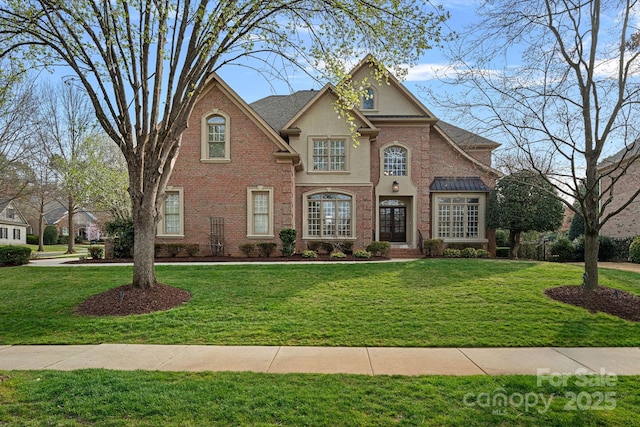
325,360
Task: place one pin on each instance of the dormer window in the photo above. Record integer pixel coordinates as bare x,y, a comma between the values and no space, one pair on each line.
369,99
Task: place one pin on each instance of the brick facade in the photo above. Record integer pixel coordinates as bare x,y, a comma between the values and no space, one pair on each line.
271,149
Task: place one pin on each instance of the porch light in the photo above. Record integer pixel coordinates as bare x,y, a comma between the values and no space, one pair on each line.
395,187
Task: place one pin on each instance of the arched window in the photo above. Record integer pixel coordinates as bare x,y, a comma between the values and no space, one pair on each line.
216,131
329,215
395,161
215,145
369,99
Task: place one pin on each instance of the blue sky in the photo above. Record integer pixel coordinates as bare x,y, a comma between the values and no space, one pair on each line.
251,87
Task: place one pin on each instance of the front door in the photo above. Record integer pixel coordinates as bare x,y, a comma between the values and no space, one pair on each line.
393,224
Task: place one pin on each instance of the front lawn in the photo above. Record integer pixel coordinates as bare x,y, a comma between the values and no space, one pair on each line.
108,398
440,302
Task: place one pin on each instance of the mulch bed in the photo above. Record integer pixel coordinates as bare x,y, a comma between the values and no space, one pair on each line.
126,300
603,299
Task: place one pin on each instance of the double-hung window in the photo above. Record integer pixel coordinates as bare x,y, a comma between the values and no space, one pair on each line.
260,211
172,221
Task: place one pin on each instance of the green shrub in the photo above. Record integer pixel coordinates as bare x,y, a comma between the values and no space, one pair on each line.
96,252
469,253
158,248
309,254
191,249
33,239
562,250
337,255
380,247
63,240
607,249
362,254
14,255
265,249
314,245
531,250
451,253
463,245
433,247
346,247
288,237
50,236
621,248
174,249
123,234
502,252
634,250
328,247
481,253
502,237
249,249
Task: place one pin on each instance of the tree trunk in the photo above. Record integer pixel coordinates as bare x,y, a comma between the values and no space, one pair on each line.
514,243
144,224
41,231
591,246
71,243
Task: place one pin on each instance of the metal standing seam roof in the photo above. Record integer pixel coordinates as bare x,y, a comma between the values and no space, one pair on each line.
464,184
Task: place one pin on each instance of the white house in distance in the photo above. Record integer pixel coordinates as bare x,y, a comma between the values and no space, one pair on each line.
13,225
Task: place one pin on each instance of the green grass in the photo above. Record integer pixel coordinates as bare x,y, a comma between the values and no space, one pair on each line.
108,398
442,303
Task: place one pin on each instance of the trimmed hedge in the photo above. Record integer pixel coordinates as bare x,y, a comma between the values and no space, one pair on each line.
433,247
380,247
634,250
14,255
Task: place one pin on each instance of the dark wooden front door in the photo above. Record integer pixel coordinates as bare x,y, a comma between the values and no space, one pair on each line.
393,224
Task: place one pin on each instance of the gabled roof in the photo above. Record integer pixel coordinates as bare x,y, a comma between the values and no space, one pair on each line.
458,184
367,62
19,220
283,149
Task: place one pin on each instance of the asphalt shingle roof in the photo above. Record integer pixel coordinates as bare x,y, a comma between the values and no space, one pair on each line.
277,110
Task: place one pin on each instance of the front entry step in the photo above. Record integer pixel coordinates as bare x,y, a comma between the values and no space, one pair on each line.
405,253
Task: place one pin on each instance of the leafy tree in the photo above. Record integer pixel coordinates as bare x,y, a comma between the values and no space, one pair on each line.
576,228
568,101
144,64
521,202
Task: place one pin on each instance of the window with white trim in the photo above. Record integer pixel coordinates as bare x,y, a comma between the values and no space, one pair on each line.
260,212
329,155
458,217
16,234
329,215
4,233
172,221
395,161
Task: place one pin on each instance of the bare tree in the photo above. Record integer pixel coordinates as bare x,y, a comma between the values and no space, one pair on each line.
17,111
144,64
559,80
66,127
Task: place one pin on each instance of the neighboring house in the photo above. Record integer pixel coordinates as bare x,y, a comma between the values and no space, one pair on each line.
245,172
13,225
57,214
625,164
